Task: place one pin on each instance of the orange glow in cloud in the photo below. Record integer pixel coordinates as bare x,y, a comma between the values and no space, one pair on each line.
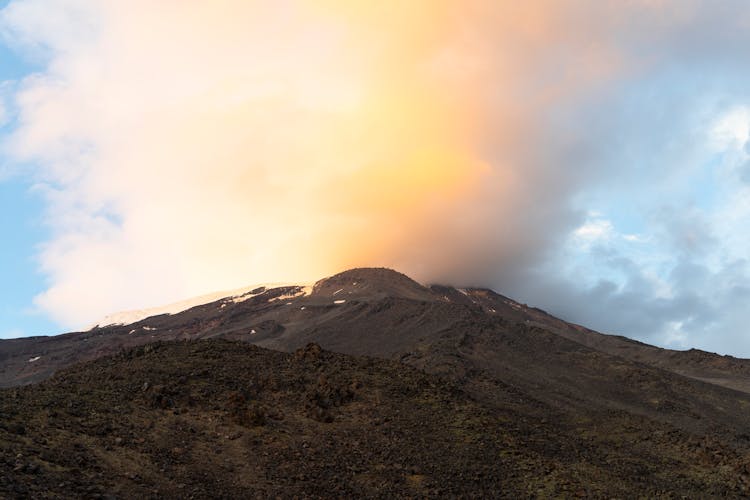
216,144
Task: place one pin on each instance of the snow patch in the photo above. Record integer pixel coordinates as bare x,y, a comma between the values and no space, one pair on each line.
300,291
340,301
514,305
236,295
35,358
339,290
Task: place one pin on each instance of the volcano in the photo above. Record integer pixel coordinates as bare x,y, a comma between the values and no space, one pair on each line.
367,384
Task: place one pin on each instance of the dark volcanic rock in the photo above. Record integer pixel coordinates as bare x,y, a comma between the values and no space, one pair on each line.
350,427
370,311
517,402
371,283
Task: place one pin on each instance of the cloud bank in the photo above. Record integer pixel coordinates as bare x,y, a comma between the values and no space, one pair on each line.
585,156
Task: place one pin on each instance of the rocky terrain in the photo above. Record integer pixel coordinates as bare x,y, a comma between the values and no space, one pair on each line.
225,419
431,391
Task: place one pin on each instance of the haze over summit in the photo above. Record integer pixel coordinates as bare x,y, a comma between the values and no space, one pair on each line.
588,158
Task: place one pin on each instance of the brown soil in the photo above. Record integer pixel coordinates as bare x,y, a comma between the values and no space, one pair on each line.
224,419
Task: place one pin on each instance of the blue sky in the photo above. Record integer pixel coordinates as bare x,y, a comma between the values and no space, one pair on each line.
22,223
21,219
590,158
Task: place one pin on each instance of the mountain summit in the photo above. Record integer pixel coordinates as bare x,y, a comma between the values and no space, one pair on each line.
370,283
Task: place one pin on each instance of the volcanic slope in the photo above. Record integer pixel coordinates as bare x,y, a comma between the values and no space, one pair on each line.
222,419
274,316
597,391
470,334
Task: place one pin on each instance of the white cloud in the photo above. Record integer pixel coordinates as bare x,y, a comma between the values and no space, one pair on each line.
731,130
595,230
6,96
634,238
187,147
198,146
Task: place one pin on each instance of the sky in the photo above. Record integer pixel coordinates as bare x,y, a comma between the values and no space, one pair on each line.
589,157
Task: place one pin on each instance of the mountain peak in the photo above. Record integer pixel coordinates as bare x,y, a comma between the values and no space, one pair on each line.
371,281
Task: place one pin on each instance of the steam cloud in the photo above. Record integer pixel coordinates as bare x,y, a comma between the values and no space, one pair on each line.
186,147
